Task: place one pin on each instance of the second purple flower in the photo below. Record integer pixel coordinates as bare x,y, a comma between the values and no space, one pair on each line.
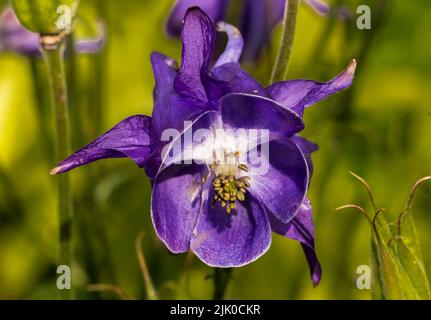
257,19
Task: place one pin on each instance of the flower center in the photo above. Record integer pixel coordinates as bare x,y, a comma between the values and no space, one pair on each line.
228,185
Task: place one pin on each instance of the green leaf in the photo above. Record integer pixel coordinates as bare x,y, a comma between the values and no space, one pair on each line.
398,271
392,279
408,247
43,16
406,230
386,271
376,283
414,268
381,226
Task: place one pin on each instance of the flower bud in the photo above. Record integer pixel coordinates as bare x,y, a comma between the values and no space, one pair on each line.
46,16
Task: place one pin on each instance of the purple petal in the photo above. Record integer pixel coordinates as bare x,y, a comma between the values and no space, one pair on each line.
345,13
319,6
215,9
282,188
129,138
239,81
92,45
255,112
15,38
170,110
179,148
167,104
275,11
301,228
175,204
254,27
198,38
300,94
232,240
234,46
258,20
307,148
182,147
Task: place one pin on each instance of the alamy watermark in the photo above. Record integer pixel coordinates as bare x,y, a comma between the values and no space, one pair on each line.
64,278
363,22
64,21
363,281
217,146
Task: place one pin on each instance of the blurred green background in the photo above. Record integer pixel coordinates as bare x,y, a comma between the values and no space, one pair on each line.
380,128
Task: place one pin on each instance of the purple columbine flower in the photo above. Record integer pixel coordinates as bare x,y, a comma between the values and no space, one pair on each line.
189,202
258,19
15,38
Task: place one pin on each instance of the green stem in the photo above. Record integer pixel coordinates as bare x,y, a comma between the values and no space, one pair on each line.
149,286
42,104
279,70
99,72
221,280
53,49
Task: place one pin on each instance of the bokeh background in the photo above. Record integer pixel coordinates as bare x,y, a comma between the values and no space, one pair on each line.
380,128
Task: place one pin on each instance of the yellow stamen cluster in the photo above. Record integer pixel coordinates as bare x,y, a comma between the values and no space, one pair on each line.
229,188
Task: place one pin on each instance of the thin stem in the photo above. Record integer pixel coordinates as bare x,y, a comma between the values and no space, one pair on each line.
409,203
42,105
368,188
221,280
412,193
358,208
53,49
279,70
185,273
149,287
